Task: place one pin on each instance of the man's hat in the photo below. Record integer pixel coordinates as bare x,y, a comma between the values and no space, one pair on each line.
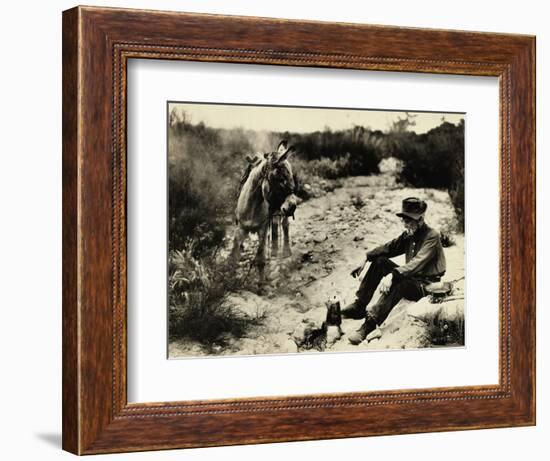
413,208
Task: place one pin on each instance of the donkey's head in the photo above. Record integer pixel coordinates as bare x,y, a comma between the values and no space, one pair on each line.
279,185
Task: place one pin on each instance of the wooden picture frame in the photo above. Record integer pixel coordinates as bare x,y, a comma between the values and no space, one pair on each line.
97,44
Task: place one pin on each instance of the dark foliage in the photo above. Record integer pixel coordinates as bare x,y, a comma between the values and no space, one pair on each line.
446,333
435,159
196,295
336,154
204,167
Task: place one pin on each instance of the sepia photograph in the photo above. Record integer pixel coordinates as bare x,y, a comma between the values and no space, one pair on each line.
313,229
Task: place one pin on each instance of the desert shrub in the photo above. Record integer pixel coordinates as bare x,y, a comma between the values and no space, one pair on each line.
456,189
324,168
308,181
335,154
447,228
447,239
432,159
330,169
446,332
435,159
197,288
205,165
357,200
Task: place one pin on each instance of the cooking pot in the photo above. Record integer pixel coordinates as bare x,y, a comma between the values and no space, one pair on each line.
440,290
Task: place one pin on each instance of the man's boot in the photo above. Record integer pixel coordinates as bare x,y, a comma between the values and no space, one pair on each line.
354,311
359,336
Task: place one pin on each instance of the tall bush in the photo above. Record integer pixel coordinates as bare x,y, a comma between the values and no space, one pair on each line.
203,175
335,154
436,159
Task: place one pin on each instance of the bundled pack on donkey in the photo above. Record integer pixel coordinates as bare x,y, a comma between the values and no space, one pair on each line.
267,189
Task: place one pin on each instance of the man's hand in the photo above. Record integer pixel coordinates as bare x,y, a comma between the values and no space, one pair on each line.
357,271
385,283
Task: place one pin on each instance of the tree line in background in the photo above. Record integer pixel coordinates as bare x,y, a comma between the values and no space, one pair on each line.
205,165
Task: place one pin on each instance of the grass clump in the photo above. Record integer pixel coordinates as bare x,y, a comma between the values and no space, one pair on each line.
357,200
197,288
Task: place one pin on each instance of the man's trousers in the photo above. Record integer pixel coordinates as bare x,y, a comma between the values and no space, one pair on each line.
402,287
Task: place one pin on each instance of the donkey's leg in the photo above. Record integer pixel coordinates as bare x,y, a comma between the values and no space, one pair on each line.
286,237
238,240
260,255
275,235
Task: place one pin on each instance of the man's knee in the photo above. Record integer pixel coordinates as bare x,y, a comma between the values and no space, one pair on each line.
383,264
408,289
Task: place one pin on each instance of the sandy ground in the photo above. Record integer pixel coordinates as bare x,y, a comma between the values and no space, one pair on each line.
330,237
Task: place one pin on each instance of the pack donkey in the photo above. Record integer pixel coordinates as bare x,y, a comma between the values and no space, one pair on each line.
267,191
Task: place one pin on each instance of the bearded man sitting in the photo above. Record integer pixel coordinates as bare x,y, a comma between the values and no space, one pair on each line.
424,264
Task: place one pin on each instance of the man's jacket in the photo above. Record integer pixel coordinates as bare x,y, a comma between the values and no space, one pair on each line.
424,254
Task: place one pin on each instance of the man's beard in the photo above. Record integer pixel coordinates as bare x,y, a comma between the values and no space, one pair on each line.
411,230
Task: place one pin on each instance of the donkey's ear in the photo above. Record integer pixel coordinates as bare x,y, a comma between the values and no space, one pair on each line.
281,149
285,155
